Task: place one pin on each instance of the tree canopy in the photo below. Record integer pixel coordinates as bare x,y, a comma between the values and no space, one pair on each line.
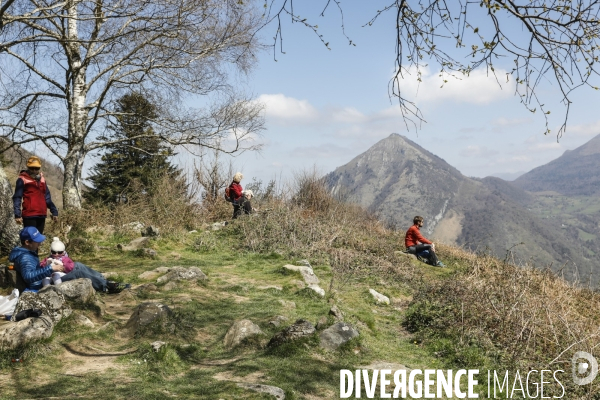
65,63
134,158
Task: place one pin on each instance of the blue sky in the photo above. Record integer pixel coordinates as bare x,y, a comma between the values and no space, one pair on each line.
324,107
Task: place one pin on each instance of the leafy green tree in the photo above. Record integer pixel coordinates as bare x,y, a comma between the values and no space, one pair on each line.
135,157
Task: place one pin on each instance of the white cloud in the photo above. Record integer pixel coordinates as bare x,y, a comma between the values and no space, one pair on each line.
583,130
348,115
480,87
283,109
508,122
326,150
477,151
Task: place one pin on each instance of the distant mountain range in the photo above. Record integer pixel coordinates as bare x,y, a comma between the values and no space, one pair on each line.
576,172
398,179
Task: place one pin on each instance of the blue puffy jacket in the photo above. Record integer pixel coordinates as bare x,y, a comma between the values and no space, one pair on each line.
27,263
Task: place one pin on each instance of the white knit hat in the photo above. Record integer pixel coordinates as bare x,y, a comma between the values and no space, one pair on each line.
57,245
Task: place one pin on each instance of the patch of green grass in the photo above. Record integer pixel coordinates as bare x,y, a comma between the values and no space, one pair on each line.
186,366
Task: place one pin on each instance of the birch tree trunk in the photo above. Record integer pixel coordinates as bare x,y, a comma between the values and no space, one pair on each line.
73,162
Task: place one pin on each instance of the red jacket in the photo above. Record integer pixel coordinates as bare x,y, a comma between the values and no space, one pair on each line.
35,197
235,190
414,237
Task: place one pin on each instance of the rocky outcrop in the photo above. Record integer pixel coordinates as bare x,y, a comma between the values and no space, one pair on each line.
337,313
146,314
336,335
272,390
16,334
301,328
82,320
379,298
52,304
310,279
78,290
239,331
135,244
182,274
9,230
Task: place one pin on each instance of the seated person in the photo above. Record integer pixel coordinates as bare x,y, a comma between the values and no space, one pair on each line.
419,245
58,255
27,264
245,205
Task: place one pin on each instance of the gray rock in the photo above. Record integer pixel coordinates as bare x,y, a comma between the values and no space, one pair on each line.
277,320
193,231
337,313
272,390
162,270
182,274
78,290
150,252
317,289
147,287
301,328
239,331
169,286
307,273
9,234
135,244
156,346
150,231
16,334
379,298
146,314
218,225
10,278
82,320
149,274
322,323
52,304
134,226
336,335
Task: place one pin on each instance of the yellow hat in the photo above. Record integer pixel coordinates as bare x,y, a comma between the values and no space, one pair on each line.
34,161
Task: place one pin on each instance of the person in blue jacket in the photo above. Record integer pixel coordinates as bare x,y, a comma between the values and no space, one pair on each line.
27,263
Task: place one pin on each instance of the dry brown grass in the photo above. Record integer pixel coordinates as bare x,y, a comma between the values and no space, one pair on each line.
523,318
311,224
171,209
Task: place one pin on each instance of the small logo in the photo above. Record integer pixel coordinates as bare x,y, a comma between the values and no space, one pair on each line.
585,368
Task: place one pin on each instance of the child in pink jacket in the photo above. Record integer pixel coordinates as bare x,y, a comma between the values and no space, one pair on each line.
58,256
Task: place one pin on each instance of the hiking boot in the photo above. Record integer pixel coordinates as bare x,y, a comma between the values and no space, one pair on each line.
116,287
440,264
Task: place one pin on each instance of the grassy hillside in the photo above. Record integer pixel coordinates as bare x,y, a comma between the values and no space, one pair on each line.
477,313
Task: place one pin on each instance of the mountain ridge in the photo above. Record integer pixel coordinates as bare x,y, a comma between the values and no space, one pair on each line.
487,214
575,172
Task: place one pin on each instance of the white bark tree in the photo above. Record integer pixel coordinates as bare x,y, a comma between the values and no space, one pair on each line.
555,41
63,63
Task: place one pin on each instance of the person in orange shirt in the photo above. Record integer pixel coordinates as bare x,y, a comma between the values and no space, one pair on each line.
419,245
